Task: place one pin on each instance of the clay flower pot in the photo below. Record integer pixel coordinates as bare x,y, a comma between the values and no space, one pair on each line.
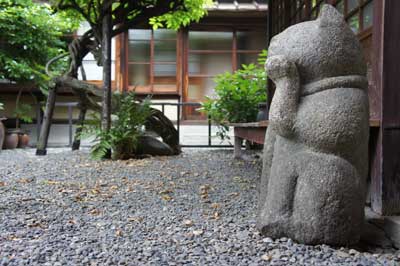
2,133
11,139
262,112
23,140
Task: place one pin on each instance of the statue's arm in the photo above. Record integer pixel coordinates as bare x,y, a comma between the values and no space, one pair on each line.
285,101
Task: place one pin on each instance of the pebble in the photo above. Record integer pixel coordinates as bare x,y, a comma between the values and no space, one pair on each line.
342,254
267,240
65,209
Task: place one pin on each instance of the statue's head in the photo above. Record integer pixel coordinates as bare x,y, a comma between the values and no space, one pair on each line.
325,47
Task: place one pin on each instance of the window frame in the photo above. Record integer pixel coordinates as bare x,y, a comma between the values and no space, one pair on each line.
289,12
234,51
360,10
150,88
190,112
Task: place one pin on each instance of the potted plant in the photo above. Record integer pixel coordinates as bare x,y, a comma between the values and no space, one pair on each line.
237,97
15,137
22,112
262,106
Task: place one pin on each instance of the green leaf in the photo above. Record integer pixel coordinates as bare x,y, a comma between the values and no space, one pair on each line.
237,97
128,119
31,34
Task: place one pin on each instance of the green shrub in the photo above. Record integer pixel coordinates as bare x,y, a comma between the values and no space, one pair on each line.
237,96
23,112
128,118
31,33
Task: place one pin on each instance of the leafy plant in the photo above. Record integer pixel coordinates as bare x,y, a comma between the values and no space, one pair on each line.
31,34
23,113
127,126
1,106
193,10
237,96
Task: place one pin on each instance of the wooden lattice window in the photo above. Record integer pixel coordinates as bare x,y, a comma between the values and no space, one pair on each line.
214,52
358,13
210,53
152,60
299,11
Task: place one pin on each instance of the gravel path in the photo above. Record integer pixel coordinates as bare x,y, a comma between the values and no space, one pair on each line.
194,209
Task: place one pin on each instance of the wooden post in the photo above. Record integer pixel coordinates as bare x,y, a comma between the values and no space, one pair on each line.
48,115
185,75
286,12
238,147
126,60
117,68
81,119
106,54
124,66
270,21
270,34
385,170
308,10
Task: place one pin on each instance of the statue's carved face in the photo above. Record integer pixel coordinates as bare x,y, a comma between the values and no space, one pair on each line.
325,47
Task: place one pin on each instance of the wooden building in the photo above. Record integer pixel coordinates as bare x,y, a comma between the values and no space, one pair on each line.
182,65
377,24
177,65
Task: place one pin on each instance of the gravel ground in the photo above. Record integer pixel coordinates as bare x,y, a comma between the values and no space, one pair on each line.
194,209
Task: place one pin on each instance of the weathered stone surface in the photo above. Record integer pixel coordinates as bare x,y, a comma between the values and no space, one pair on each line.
392,228
152,146
316,147
146,145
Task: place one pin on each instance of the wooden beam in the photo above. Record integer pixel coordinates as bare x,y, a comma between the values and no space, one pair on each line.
179,62
152,62
234,51
385,171
254,134
270,34
124,62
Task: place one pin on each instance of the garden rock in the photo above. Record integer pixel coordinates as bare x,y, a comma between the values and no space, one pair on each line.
151,146
316,147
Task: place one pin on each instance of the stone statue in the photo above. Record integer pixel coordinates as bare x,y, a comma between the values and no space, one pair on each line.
316,147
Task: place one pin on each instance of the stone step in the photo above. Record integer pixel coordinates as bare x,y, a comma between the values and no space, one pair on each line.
392,229
383,231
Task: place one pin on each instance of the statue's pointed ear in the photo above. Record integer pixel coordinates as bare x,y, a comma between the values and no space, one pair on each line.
329,16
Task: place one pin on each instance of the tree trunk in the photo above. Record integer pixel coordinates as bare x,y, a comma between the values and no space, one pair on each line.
78,49
48,115
106,60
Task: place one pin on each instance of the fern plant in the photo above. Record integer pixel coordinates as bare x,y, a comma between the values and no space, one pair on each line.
127,125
